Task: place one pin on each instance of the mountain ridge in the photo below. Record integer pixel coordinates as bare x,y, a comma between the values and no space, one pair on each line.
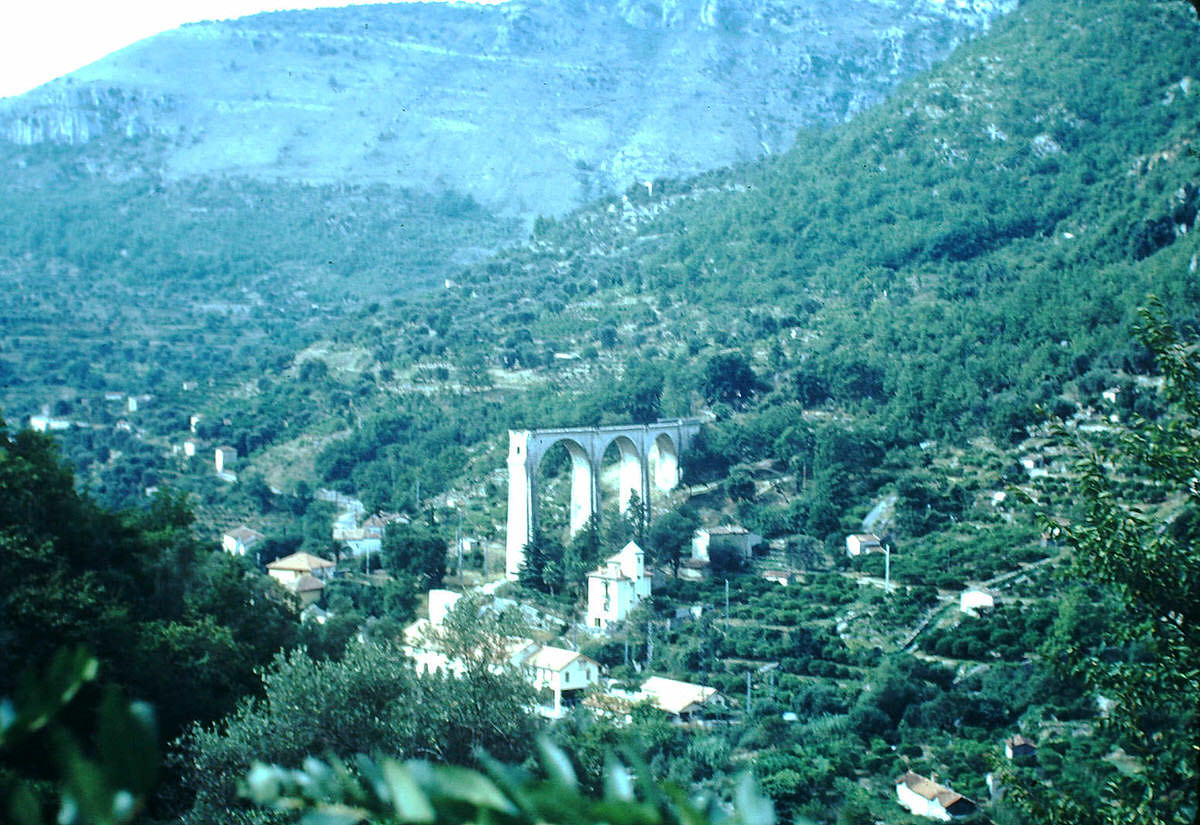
529,107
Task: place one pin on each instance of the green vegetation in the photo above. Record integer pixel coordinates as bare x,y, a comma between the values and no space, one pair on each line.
879,323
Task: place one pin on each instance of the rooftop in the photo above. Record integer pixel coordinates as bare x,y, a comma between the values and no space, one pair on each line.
931,790
554,658
244,533
675,696
304,562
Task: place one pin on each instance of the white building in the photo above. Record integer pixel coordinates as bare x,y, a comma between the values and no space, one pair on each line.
860,543
291,569
683,700
224,458
189,447
974,600
616,588
44,424
927,798
241,539
441,602
565,673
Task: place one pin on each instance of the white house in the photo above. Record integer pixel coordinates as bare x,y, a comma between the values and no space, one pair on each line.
860,543
973,600
683,700
44,423
189,447
224,458
241,539
291,569
734,538
927,798
565,673
441,602
616,588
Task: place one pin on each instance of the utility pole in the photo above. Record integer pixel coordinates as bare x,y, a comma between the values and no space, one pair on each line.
459,541
887,568
649,643
747,693
727,602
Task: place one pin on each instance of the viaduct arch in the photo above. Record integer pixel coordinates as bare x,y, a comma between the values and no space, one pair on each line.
660,443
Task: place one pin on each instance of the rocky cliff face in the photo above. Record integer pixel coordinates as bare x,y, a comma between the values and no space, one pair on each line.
532,106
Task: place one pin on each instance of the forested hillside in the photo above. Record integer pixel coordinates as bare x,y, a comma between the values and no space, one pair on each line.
940,266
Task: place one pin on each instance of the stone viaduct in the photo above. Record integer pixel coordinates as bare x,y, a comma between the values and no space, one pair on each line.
649,455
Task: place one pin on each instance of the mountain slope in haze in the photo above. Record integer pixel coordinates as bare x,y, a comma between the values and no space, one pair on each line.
940,266
531,106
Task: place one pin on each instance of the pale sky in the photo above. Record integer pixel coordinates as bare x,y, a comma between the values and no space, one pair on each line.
44,39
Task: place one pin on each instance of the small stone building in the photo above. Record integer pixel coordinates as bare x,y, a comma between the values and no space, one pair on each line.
925,797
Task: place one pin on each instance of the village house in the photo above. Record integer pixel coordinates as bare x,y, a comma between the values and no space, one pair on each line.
974,601
617,587
441,602
1017,746
224,458
563,674
683,701
240,539
566,674
308,588
367,537
732,538
694,570
45,423
290,569
189,447
860,543
927,798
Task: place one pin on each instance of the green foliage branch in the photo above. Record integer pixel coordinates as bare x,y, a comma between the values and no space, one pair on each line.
1146,554
392,791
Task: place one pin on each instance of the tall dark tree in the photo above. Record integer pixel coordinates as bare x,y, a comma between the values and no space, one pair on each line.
671,534
641,391
158,607
541,552
415,551
729,379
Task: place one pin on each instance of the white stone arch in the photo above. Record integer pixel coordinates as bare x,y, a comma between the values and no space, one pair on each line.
664,463
585,492
630,470
586,447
